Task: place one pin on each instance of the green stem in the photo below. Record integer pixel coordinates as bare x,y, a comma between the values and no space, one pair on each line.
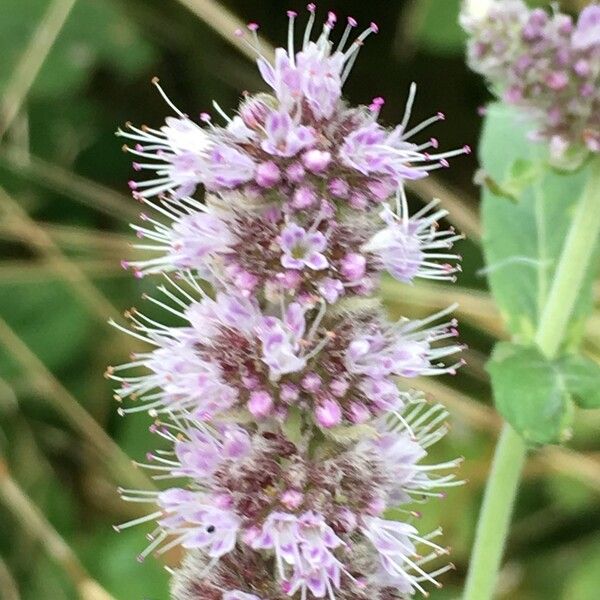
494,519
574,262
509,457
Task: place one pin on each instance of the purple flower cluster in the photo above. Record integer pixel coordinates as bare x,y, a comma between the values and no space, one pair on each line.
546,65
282,400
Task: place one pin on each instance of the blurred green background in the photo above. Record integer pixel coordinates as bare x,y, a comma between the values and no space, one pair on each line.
71,71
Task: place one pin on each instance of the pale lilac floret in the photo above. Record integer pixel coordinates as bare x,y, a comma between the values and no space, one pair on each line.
208,316
235,442
196,237
197,522
202,452
237,312
316,73
281,341
283,77
227,167
237,595
587,32
284,137
305,543
199,455
382,392
260,404
373,150
321,78
406,351
318,578
394,541
179,380
279,533
400,454
180,148
353,266
302,248
331,289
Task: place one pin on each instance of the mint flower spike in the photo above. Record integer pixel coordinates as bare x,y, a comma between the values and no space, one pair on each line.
282,396
547,66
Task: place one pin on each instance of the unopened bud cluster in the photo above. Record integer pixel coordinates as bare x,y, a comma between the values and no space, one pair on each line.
285,419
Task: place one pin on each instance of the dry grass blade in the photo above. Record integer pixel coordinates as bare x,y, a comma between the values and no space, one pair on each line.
74,186
77,238
44,245
31,519
27,271
569,462
8,585
32,60
116,461
475,307
83,237
461,212
225,23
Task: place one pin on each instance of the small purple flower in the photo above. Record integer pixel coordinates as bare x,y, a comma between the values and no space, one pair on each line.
304,197
408,247
383,393
316,161
199,456
283,77
292,499
180,147
305,543
267,174
197,522
197,236
394,541
284,137
331,289
236,443
228,168
260,404
353,266
338,187
321,79
359,413
279,532
328,413
302,249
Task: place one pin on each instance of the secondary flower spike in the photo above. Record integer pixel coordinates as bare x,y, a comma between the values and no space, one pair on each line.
546,65
282,396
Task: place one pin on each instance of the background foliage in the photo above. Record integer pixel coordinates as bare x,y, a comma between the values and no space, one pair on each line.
64,210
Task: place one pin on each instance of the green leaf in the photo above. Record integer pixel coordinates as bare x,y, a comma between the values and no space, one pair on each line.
531,393
523,240
49,318
94,33
582,581
440,32
582,378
